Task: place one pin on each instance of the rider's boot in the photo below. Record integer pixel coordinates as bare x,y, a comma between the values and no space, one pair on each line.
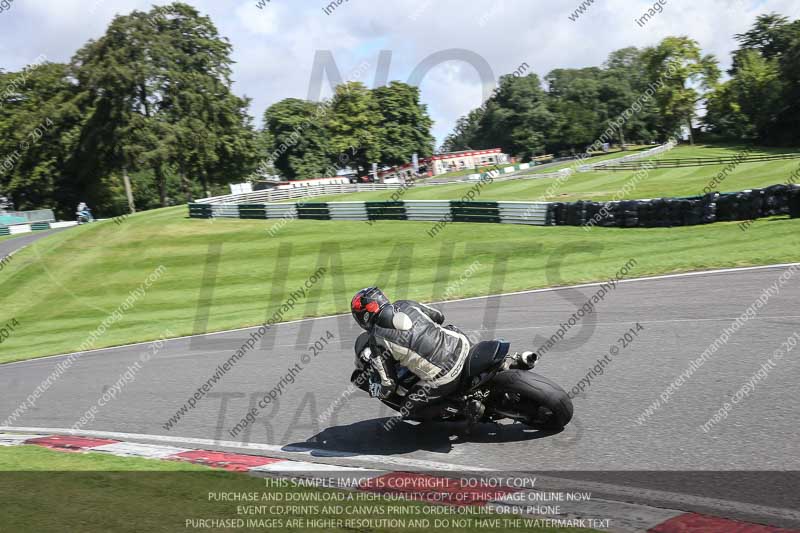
473,411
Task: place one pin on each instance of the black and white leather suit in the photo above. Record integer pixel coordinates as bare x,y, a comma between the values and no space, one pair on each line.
410,334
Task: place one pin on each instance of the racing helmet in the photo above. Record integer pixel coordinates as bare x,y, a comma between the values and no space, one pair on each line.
366,305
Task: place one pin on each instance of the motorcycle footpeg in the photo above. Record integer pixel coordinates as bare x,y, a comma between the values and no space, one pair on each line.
450,413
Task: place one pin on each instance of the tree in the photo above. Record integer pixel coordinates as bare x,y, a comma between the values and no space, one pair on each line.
528,117
724,117
759,102
575,101
623,83
213,134
757,89
785,130
354,126
298,137
770,36
40,127
515,118
573,113
465,134
158,86
406,126
677,66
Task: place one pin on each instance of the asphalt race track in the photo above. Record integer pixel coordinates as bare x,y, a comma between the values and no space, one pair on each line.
681,316
9,246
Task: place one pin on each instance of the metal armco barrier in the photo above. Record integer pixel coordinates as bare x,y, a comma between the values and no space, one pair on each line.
650,213
276,195
535,213
695,162
602,165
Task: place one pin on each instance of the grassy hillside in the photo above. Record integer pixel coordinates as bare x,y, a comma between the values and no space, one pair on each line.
604,185
61,288
613,154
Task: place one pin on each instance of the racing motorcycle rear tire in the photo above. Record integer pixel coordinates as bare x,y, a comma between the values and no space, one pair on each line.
538,401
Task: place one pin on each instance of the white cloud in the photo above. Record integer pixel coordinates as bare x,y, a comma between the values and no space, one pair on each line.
274,47
259,20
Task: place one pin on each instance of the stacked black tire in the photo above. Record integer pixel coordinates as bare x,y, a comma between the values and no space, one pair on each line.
670,212
794,203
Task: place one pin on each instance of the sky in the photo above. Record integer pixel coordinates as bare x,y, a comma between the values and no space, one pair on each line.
275,46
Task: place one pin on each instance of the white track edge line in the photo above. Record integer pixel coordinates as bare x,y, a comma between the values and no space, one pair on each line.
552,481
255,446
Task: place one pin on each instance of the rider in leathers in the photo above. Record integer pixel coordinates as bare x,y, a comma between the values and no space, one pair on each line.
409,334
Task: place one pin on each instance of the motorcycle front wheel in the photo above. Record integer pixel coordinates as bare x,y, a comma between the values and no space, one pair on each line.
531,398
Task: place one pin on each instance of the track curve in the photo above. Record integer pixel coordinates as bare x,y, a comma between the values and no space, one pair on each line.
680,316
9,246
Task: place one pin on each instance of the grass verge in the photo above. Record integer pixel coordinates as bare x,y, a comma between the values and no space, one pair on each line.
615,153
45,490
231,273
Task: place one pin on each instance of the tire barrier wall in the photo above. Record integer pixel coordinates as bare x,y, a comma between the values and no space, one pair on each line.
4,230
532,213
651,213
669,212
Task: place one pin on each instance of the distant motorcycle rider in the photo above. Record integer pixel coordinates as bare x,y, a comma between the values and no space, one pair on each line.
410,334
84,213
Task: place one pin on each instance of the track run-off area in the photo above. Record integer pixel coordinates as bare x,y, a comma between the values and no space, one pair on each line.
707,343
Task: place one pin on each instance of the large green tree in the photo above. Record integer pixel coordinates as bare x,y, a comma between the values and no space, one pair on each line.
299,142
623,83
516,118
354,126
159,90
406,125
40,125
680,71
771,36
576,104
466,133
760,101
577,108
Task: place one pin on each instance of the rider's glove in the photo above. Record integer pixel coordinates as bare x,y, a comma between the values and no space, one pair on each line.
365,355
379,390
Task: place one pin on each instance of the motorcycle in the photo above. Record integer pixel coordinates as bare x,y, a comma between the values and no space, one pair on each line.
489,389
84,217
